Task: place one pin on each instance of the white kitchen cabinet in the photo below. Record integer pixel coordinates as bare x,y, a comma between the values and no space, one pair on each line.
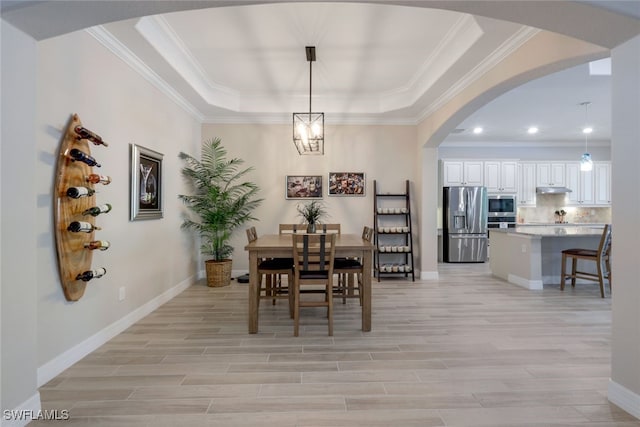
582,185
458,172
526,184
602,172
501,176
550,174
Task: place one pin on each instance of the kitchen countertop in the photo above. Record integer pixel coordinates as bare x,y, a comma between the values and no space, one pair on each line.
554,230
565,224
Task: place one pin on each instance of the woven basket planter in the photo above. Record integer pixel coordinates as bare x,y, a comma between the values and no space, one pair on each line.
218,272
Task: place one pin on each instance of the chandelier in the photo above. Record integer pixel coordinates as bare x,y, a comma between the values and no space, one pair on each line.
308,128
586,164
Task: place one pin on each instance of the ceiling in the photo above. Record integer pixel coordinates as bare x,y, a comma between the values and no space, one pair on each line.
375,64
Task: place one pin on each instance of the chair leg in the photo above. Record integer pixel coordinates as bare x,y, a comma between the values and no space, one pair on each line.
574,265
563,271
608,265
296,308
600,278
330,306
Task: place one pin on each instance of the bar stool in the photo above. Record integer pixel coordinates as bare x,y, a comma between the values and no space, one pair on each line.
601,256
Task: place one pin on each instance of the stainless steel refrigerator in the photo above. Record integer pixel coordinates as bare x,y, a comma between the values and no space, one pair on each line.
464,225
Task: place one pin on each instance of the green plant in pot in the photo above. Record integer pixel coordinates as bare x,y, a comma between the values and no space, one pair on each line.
312,214
221,202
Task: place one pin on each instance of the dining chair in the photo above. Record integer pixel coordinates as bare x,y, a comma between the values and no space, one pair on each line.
601,256
273,269
302,228
292,228
328,228
313,256
349,271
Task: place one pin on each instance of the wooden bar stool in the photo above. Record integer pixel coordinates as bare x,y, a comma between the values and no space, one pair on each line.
601,256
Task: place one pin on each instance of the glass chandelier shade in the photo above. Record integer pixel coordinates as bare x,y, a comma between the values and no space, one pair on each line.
308,132
308,128
586,164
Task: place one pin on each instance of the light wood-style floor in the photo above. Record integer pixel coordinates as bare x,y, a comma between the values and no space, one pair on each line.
467,350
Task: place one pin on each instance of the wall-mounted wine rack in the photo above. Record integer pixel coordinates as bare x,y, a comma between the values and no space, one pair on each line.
74,198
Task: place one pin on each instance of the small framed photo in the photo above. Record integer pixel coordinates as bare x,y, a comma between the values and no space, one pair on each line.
146,183
346,183
304,187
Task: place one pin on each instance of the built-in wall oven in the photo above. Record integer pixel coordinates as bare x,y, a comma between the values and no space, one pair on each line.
502,211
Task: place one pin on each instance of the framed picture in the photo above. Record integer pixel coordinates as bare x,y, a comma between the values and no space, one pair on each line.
304,187
146,183
346,183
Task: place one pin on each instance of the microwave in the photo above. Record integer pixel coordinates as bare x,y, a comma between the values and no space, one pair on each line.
502,205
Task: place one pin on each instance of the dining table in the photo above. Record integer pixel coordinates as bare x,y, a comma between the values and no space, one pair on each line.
281,246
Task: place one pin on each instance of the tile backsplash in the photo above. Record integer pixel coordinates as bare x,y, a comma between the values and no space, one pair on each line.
547,204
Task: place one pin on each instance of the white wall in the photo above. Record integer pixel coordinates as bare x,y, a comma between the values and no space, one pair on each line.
625,366
76,74
384,153
18,238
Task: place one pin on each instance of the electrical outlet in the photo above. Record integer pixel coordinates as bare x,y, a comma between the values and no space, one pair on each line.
524,248
122,293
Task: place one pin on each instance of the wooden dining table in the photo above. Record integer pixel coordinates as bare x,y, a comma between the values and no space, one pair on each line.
280,246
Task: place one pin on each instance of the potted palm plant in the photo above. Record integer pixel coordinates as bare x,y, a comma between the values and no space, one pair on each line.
221,202
312,213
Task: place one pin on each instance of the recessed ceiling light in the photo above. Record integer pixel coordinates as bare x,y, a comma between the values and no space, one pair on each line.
477,130
532,130
587,130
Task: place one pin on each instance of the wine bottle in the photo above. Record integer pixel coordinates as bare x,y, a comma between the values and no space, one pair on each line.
85,276
77,155
82,227
84,133
77,192
97,210
103,245
94,178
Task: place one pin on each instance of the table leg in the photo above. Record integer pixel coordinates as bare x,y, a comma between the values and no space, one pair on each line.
253,292
366,290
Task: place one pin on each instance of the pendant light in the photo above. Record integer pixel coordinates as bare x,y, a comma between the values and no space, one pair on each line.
308,128
586,164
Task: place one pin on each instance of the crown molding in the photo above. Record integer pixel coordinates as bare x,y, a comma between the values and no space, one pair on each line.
521,144
107,39
161,36
509,46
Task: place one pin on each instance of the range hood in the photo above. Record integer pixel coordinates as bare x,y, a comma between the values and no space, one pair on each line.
553,190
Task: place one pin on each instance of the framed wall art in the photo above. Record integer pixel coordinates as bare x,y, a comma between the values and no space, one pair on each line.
304,187
346,183
146,183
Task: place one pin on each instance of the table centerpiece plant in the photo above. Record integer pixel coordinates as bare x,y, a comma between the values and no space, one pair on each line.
312,214
221,202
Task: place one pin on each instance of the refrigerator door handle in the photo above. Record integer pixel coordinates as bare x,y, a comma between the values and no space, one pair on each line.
468,236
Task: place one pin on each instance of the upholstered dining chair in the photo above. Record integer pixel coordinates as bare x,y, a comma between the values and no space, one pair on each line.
349,271
273,269
313,256
601,256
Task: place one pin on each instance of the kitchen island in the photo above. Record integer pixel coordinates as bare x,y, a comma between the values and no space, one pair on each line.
531,256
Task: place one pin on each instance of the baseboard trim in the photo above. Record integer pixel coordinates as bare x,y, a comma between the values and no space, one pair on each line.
54,367
26,412
624,398
534,285
429,275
